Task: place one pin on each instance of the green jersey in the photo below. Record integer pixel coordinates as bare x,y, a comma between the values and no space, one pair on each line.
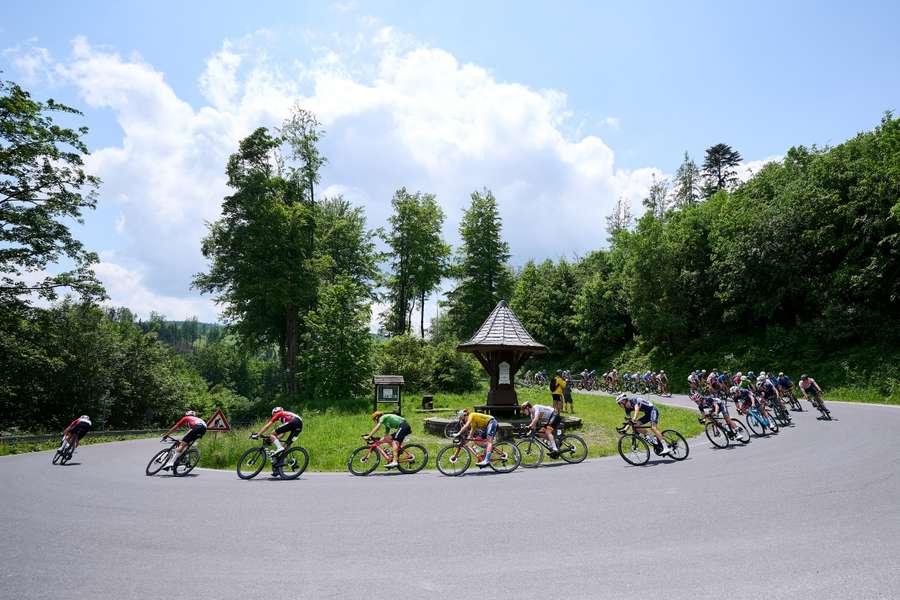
391,420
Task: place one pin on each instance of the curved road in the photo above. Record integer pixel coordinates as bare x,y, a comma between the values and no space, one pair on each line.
811,513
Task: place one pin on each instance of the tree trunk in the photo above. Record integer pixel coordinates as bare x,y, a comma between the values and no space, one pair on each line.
290,350
422,314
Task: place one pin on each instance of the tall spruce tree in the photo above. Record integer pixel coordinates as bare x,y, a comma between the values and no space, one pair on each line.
720,169
686,189
481,271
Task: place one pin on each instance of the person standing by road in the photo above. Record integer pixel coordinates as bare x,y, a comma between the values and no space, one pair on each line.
557,385
567,393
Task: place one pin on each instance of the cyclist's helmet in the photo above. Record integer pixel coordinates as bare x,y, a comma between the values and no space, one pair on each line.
751,374
760,379
462,414
377,414
738,374
762,374
744,378
622,398
277,409
804,376
526,404
662,372
734,389
190,413
84,418
781,373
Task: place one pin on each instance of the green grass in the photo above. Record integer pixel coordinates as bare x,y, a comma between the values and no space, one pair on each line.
25,447
331,435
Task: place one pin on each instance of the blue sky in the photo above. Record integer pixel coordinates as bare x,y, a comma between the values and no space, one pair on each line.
560,107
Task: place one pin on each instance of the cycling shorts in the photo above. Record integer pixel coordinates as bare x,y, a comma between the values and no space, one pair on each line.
196,432
490,431
401,433
723,407
554,421
649,417
80,429
295,426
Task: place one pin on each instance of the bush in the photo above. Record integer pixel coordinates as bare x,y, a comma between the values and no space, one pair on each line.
407,356
454,371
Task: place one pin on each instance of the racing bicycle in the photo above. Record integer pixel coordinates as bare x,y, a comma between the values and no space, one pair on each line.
720,435
289,465
532,447
635,443
365,459
185,463
64,453
454,459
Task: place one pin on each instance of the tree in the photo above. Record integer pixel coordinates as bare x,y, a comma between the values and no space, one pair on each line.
619,220
719,169
43,187
481,271
686,190
419,257
262,264
302,133
657,201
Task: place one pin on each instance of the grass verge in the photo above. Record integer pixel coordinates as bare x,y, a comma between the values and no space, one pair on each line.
330,436
24,447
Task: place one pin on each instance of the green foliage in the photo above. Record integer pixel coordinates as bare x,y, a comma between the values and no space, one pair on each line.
419,257
409,356
43,188
720,169
454,371
481,270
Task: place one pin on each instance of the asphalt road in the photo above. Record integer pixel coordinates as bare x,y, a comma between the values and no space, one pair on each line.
813,512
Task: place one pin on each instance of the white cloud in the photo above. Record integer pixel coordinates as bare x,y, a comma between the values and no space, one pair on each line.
612,122
127,288
748,169
397,113
32,62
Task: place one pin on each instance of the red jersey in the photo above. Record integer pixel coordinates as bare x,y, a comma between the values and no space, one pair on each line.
76,421
284,416
189,421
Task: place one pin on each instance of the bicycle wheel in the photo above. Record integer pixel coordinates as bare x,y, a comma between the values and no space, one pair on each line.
251,463
716,435
572,448
634,449
773,424
186,462
294,462
795,404
531,451
57,457
505,457
413,459
158,461
363,461
451,429
679,445
755,426
452,460
740,431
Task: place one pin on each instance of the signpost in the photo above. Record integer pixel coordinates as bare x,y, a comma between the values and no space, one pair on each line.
218,422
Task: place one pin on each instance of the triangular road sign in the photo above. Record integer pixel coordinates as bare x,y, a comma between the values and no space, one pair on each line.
218,422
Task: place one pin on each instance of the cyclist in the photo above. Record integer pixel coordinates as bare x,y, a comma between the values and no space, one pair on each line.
785,384
715,406
663,382
811,390
549,420
76,430
389,420
650,416
768,391
743,398
290,422
196,430
479,422
694,381
712,382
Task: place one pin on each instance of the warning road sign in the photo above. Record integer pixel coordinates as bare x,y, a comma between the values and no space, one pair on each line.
218,422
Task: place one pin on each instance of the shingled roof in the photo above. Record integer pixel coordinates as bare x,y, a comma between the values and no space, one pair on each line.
502,330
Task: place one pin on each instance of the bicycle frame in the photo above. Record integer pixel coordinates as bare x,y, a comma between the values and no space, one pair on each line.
377,445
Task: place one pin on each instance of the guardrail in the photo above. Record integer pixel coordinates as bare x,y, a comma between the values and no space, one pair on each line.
20,439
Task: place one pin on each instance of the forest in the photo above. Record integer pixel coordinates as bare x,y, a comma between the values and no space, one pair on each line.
796,268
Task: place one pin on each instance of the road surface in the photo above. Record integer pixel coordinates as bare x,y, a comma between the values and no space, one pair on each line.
813,512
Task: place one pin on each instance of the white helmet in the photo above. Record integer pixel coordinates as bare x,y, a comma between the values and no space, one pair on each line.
277,409
190,413
621,398
84,418
526,404
734,389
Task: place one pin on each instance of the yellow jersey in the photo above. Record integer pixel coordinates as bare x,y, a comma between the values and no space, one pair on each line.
478,420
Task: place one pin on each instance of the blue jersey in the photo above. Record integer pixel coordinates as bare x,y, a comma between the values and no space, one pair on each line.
785,382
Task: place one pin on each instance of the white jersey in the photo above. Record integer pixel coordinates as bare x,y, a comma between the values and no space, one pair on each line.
544,413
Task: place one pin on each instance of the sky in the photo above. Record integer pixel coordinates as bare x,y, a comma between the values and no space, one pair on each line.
560,108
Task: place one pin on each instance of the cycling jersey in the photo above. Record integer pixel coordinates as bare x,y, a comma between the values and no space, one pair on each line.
284,416
811,386
479,420
767,389
189,421
391,420
78,421
784,382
